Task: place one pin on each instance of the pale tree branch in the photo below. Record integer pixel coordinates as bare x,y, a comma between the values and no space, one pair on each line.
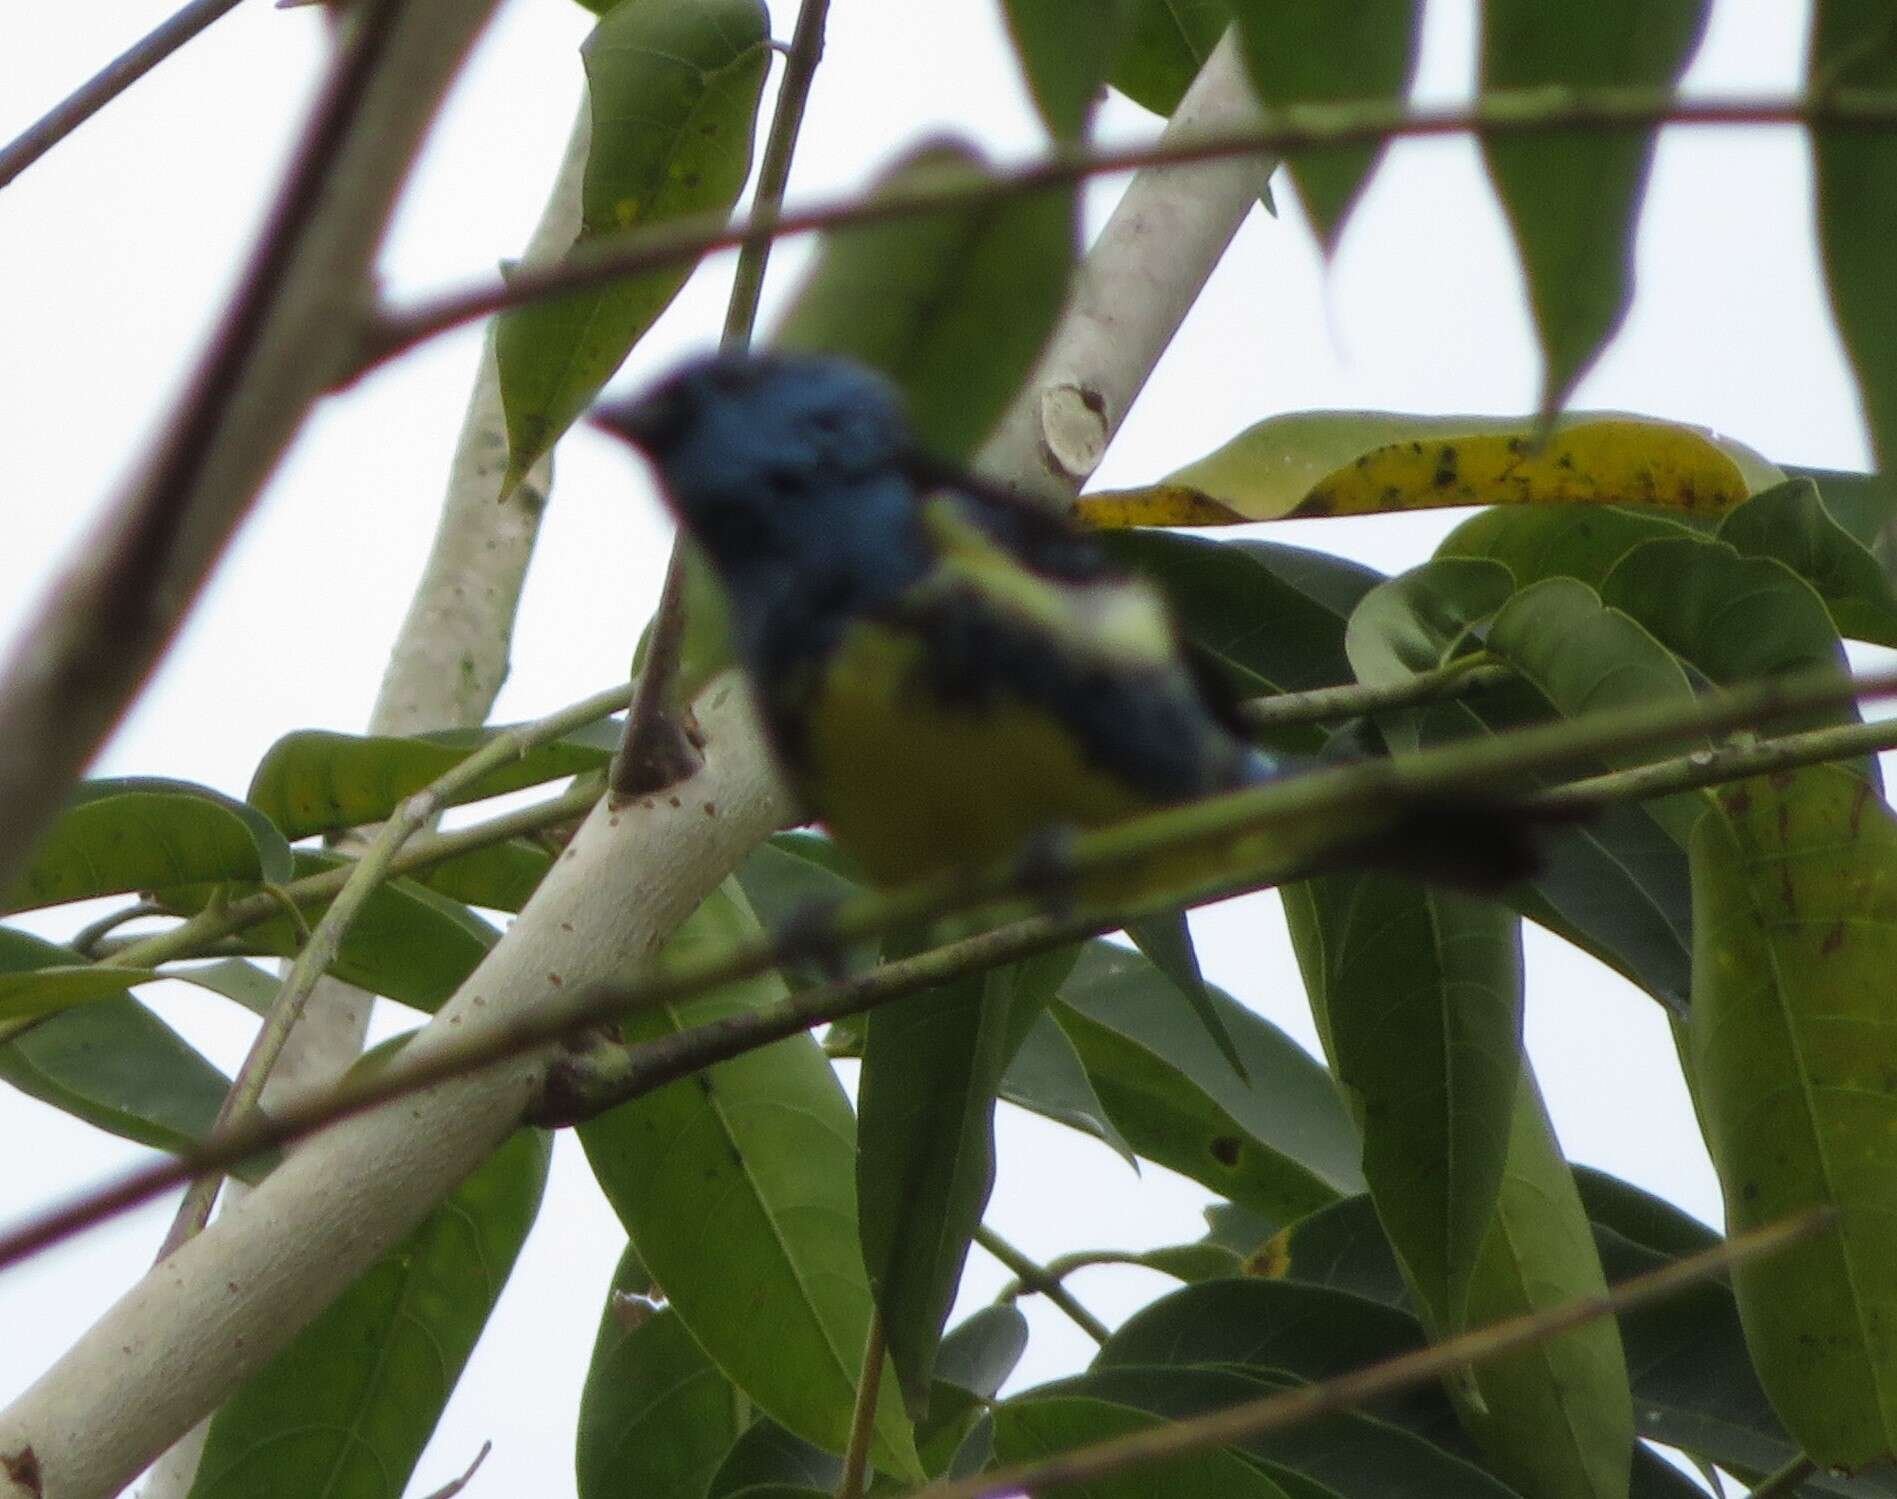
624,882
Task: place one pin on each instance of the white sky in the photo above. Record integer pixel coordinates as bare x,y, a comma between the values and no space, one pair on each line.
118,248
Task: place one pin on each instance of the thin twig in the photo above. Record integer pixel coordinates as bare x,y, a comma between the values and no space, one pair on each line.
89,936
1288,1408
455,1485
1784,1481
1317,799
1293,129
106,85
1464,677
656,751
1034,1276
869,1384
1715,767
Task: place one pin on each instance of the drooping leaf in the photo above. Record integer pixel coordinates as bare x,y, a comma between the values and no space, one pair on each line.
1315,52
110,1062
1420,992
656,1416
1037,1426
142,834
235,979
1790,522
1852,47
1573,197
314,781
1352,1455
1555,1418
672,91
1794,1051
1316,463
1046,1076
1279,1142
738,1188
1167,42
346,1409
926,1156
1166,941
953,306
1066,49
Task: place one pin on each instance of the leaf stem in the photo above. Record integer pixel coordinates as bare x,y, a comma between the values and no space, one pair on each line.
1513,112
1034,1276
106,85
1463,677
863,1418
1289,1408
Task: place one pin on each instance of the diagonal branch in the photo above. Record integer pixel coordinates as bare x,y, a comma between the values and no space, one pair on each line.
106,85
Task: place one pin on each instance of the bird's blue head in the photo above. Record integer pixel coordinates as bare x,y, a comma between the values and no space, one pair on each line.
792,471
767,455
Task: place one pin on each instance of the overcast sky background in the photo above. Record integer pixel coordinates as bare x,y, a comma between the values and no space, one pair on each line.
119,247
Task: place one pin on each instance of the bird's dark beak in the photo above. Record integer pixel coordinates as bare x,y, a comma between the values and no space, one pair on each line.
649,422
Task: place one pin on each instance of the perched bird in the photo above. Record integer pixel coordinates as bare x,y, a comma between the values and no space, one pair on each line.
943,671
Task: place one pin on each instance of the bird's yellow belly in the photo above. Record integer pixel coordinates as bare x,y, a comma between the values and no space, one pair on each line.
911,785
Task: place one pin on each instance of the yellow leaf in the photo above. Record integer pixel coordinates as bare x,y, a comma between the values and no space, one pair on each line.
1363,463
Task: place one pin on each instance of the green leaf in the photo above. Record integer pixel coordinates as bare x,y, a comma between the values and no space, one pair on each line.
1559,541
1038,1426
767,1458
1555,1418
926,1156
1573,196
1790,522
738,1188
314,781
672,97
1281,1329
1046,1077
952,306
1734,619
408,943
1794,1052
110,1062
346,1409
1585,657
1066,49
46,991
975,1360
241,982
791,877
147,834
1167,43
1852,47
656,1416
1420,993
1318,52
1864,504
1419,620
1166,941
1279,1142
1267,617
1351,1455
499,877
